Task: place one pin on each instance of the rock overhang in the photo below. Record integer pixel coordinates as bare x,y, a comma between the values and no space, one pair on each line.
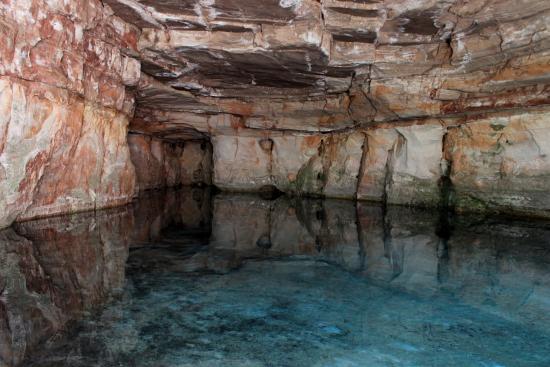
327,65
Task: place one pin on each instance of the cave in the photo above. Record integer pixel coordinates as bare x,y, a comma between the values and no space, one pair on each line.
274,182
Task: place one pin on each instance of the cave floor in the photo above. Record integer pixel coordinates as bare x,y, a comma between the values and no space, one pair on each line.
236,280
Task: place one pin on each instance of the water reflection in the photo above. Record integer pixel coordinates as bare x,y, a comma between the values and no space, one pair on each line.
54,270
195,279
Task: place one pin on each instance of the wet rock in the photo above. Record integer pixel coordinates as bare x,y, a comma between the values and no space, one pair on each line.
270,192
501,163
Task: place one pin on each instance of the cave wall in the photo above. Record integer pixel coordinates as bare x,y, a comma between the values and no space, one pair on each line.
423,102
66,98
413,102
160,163
494,162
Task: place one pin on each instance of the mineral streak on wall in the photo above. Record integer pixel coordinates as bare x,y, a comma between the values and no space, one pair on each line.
65,102
417,102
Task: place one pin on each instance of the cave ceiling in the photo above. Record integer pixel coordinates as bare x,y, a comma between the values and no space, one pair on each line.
316,66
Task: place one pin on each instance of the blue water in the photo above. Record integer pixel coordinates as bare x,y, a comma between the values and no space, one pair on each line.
236,280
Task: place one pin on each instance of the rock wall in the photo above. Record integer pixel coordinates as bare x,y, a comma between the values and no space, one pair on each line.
66,79
502,163
490,162
160,163
389,100
429,102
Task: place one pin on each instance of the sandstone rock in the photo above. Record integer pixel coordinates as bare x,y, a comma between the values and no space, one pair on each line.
240,163
311,77
60,154
94,171
294,168
161,163
501,162
148,158
63,72
196,163
299,164
346,155
376,173
401,170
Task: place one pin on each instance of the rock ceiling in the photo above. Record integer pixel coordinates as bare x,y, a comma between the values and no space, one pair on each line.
328,65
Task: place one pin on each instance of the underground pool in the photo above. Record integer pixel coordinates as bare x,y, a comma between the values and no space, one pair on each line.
192,278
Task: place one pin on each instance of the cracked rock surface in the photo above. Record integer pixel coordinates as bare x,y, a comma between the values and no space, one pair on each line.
66,99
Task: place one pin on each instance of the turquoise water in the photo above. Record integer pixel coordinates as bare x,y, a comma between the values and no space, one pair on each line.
190,279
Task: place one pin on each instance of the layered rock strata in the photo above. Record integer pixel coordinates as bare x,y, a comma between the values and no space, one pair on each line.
495,162
406,102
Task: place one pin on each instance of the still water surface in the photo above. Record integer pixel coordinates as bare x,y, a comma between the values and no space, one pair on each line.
185,278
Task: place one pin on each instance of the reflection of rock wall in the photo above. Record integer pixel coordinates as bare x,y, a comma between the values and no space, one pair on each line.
186,208
488,265
285,227
64,107
501,267
54,269
160,163
495,162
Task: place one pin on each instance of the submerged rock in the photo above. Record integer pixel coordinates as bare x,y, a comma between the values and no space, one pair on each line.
264,242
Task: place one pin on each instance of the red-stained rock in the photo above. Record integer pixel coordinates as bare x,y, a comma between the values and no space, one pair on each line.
355,99
60,154
64,69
